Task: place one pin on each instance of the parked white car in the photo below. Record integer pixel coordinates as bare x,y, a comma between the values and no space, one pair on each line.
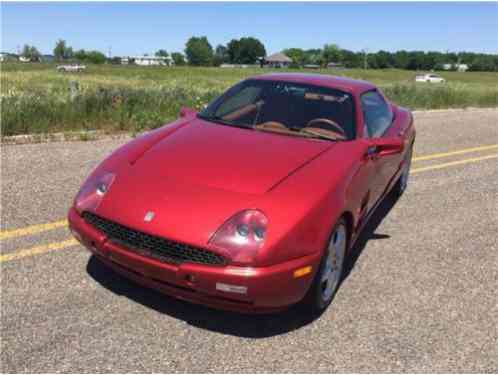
71,68
430,77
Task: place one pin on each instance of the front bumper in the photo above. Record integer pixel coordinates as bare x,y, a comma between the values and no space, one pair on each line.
269,288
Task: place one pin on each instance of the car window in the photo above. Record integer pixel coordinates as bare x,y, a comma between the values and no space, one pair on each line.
377,114
238,100
288,105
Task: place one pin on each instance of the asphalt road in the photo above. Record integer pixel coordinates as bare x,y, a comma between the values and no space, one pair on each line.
420,293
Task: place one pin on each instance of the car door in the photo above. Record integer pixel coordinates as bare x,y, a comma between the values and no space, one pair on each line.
378,118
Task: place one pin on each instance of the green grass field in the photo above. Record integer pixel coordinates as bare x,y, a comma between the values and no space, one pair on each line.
35,98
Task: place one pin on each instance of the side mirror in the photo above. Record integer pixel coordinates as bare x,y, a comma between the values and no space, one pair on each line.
187,112
385,146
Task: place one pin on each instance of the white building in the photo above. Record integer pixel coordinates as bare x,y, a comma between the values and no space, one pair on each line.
147,60
458,67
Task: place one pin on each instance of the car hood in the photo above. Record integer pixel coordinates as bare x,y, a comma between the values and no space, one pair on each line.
223,157
196,175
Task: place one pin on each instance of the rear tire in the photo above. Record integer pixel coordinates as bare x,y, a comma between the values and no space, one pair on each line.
402,183
329,275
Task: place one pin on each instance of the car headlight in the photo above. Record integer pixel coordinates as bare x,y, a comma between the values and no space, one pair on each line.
242,235
93,191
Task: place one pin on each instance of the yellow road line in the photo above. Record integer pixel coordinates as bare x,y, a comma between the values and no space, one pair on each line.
38,250
450,164
452,153
32,229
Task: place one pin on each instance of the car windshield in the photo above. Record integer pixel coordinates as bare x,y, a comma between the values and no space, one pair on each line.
287,108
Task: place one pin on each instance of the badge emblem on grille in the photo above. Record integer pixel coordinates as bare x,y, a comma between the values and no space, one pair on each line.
149,216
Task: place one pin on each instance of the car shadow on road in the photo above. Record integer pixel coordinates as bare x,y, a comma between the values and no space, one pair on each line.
369,232
241,325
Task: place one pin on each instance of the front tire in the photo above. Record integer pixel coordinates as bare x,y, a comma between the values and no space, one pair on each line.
329,275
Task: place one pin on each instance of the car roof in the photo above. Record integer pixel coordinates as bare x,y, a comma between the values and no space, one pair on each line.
353,86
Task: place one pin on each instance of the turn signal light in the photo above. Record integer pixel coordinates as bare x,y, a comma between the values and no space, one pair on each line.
300,272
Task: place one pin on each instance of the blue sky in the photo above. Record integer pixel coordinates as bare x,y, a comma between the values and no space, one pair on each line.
138,28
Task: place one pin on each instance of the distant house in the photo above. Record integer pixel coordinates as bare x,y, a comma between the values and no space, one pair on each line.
278,60
457,67
24,59
335,65
147,60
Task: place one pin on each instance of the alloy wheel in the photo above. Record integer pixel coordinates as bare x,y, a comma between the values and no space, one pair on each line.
332,272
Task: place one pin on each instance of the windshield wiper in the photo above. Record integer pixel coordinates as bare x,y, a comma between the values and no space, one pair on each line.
219,120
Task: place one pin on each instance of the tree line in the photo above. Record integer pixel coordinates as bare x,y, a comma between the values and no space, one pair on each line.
248,50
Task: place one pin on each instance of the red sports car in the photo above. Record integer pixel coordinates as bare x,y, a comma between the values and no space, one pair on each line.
253,203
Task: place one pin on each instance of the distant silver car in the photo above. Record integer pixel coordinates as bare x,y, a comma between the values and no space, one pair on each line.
71,68
430,77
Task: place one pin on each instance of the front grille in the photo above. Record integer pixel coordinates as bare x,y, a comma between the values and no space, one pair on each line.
165,250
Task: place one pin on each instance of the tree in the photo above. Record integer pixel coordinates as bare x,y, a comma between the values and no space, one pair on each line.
313,56
220,55
351,59
245,50
416,61
401,59
250,50
96,57
69,53
31,53
80,55
199,52
296,54
62,51
233,51
331,53
178,58
384,60
162,53
483,62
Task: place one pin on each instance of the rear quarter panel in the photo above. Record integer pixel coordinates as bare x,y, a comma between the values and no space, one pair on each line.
403,126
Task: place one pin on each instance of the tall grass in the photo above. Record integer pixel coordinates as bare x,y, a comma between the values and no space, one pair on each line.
109,109
37,99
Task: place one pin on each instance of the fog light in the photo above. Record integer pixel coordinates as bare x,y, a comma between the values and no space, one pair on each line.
231,288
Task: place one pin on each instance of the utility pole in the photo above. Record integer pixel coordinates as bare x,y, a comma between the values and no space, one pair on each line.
365,63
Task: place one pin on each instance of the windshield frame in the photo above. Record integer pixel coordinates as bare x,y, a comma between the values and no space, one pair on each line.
207,114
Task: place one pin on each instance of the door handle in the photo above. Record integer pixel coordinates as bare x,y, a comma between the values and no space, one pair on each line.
372,152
